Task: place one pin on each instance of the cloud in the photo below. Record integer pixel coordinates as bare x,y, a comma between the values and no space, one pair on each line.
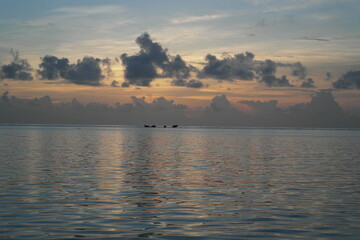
308,83
266,68
125,84
350,80
321,111
328,76
292,5
52,68
142,68
191,83
90,10
273,81
244,67
192,19
221,103
262,106
314,39
177,68
239,66
298,69
19,69
87,71
114,83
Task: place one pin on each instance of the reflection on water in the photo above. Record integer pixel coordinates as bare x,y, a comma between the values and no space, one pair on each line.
109,182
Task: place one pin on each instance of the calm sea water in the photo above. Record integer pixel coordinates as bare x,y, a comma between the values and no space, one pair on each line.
111,182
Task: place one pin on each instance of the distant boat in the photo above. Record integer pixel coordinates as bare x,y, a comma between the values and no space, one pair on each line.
154,126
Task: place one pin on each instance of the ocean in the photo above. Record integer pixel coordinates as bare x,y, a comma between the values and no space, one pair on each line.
131,182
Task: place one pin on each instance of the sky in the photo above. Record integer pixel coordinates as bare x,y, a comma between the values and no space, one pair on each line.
188,52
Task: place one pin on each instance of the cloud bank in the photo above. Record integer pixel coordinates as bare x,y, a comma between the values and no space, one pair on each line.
321,111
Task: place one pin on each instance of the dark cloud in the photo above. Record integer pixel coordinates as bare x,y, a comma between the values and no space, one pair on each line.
194,84
114,83
87,71
18,69
244,67
153,61
308,83
191,83
266,68
272,81
179,82
52,68
239,66
106,67
267,72
154,50
350,80
125,84
139,69
328,76
298,70
177,68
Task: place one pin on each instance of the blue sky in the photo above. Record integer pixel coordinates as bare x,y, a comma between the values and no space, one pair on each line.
321,34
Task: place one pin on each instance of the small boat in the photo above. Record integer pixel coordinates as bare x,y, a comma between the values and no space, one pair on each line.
174,126
146,126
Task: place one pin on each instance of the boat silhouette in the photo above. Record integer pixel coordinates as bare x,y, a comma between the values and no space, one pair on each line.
154,126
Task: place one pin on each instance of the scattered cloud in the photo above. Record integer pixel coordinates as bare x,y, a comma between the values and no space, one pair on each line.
192,19
193,83
350,80
273,81
90,10
87,71
313,39
142,68
19,69
328,76
239,66
114,83
308,83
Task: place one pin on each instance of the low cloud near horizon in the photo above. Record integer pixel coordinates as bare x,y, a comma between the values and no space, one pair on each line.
321,111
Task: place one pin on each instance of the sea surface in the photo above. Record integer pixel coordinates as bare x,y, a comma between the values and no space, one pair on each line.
128,182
